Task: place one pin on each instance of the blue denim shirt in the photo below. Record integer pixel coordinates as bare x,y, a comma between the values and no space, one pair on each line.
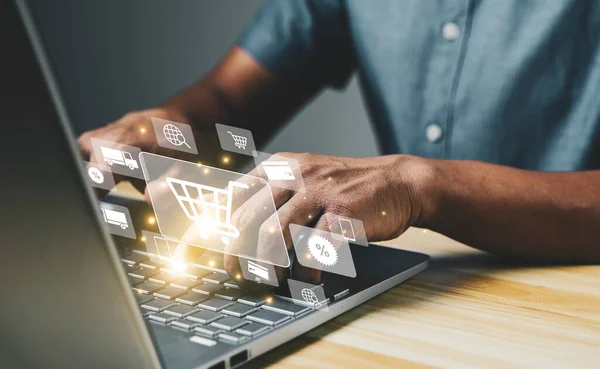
512,82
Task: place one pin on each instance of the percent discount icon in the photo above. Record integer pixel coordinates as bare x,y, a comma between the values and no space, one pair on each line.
322,250
96,175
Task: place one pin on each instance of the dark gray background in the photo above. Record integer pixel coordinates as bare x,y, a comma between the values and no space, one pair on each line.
114,56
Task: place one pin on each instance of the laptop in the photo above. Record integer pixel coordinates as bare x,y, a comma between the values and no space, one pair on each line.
74,296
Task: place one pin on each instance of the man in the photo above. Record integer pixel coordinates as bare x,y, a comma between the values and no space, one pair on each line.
488,111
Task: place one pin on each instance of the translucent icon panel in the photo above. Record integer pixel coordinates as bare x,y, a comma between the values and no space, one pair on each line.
307,294
215,209
174,135
122,159
349,229
158,247
235,139
279,171
117,220
258,272
99,175
320,250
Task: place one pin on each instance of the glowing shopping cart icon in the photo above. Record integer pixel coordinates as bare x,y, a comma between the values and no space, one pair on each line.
202,205
239,141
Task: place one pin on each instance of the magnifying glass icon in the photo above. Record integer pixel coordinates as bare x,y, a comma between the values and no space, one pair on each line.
174,135
182,140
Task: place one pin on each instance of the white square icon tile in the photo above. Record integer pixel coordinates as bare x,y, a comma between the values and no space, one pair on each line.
349,229
235,139
99,175
122,159
318,249
174,135
117,220
280,171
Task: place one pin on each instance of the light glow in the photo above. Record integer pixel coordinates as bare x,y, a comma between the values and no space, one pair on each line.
178,266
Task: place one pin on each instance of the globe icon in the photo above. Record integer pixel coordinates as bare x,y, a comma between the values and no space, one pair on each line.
309,296
174,135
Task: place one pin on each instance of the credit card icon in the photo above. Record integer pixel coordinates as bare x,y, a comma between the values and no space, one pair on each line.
258,270
278,170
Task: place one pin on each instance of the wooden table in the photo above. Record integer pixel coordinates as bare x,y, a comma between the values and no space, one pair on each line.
468,310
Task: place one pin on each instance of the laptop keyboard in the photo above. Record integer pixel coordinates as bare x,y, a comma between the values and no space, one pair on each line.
204,301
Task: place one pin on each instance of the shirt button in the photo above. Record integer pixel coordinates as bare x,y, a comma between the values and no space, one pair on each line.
451,31
434,133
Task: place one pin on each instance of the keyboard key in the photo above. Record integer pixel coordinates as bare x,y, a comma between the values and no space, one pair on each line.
129,268
229,323
208,289
210,261
169,293
151,264
195,273
253,329
134,281
157,305
232,283
239,310
181,311
231,294
204,317
232,337
215,304
192,298
203,341
124,251
341,294
285,307
184,324
185,283
268,317
133,259
147,288
163,278
142,298
161,318
254,300
207,330
143,273
216,278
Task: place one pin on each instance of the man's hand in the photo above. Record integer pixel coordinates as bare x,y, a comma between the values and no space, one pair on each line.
386,193
134,129
380,191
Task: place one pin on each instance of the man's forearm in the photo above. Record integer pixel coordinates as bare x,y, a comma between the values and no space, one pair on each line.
506,211
240,92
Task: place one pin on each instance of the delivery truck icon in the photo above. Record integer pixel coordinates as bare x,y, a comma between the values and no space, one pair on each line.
115,217
113,156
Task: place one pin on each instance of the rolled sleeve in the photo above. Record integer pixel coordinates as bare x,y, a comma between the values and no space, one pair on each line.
302,39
